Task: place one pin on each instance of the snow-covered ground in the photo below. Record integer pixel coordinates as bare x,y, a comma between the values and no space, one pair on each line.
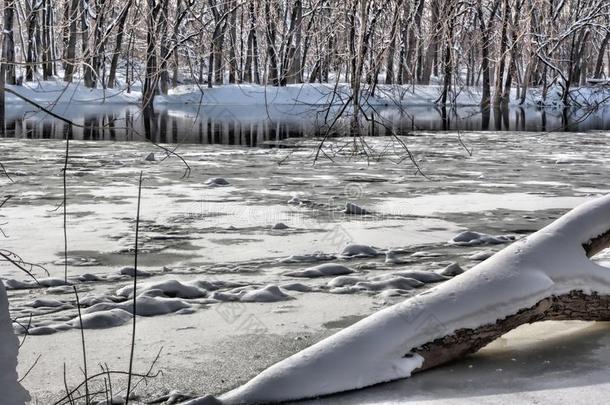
243,292
54,92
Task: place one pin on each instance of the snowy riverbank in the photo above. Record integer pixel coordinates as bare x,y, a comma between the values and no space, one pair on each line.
50,93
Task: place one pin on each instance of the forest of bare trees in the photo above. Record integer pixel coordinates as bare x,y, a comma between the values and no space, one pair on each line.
155,45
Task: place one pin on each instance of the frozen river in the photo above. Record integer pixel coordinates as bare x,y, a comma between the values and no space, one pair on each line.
224,242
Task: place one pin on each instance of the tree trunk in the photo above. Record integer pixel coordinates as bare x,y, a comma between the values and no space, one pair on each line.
89,75
118,44
8,43
151,78
164,48
499,75
431,53
273,76
233,69
31,57
599,64
485,28
70,52
575,305
512,67
389,78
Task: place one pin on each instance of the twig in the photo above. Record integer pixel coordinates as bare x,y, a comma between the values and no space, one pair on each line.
65,207
135,286
6,173
31,368
19,264
82,336
68,393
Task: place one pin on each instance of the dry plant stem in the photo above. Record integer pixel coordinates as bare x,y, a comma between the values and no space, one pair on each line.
6,173
135,285
68,396
19,266
82,336
65,207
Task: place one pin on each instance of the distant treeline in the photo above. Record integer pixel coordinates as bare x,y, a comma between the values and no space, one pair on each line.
497,45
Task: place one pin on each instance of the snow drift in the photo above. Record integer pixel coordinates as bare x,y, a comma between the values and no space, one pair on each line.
386,345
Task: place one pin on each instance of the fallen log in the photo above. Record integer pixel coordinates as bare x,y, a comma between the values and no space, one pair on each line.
545,276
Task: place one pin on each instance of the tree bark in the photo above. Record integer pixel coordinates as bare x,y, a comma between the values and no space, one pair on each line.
485,28
31,57
118,44
89,75
599,64
576,305
273,76
70,52
500,66
152,75
8,43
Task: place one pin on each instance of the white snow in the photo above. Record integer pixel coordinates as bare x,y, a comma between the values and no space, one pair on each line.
131,271
480,256
270,293
46,303
322,270
551,261
216,182
59,92
102,319
421,275
452,270
471,238
356,250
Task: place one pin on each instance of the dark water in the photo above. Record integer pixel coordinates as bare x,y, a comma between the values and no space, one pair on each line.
260,125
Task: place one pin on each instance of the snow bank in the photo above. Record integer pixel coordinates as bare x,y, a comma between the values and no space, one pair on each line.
380,348
60,92
53,92
11,391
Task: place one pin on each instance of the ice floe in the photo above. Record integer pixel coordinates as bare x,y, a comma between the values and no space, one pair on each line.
322,270
216,182
353,209
471,238
451,270
356,250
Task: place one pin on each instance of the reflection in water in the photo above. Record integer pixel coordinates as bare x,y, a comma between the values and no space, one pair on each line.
260,125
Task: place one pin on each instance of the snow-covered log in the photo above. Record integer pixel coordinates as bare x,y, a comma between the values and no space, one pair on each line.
547,275
11,392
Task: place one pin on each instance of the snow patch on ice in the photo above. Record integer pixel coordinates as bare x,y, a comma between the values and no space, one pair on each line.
353,209
356,250
131,271
322,270
471,238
